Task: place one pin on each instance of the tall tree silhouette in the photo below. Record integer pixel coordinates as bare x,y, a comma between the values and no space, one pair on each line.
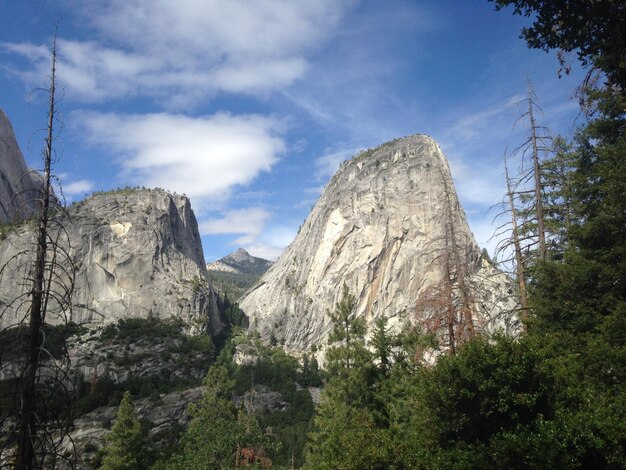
34,363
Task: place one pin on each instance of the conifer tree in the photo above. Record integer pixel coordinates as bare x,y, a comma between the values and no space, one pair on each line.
218,432
348,332
125,442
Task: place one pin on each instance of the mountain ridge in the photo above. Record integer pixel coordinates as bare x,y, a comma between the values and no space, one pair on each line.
133,253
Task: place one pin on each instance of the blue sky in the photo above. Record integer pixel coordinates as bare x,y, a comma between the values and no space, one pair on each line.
248,107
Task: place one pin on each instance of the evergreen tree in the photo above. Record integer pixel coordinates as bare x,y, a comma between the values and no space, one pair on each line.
125,442
349,332
218,431
382,343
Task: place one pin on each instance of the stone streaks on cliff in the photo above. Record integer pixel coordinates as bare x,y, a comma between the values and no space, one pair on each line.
378,227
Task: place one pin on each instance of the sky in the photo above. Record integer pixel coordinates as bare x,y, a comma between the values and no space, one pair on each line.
249,106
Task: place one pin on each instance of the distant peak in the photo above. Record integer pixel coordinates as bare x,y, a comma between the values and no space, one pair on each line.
239,256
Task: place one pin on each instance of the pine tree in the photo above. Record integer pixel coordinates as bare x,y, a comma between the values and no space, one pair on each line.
382,343
126,440
218,432
348,335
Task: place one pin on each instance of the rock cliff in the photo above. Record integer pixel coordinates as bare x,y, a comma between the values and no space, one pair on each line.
19,186
131,253
383,227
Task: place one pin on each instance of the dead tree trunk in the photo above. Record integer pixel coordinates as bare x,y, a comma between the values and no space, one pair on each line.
519,258
28,418
447,308
541,229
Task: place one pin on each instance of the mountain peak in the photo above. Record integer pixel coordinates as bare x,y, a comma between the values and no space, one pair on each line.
380,228
235,273
239,256
242,262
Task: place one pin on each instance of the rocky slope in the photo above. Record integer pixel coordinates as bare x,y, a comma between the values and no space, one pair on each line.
382,227
19,187
236,272
129,253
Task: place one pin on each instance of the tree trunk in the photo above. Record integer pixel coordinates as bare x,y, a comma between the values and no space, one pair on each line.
28,418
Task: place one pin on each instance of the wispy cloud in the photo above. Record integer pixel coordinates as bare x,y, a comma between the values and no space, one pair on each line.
77,188
186,51
270,244
203,157
257,236
249,221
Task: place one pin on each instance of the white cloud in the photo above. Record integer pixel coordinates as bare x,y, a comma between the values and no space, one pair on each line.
270,244
188,50
202,157
251,224
249,221
477,125
79,187
316,190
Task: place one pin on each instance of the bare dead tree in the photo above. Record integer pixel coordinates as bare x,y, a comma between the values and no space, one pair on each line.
529,184
515,238
34,364
535,205
536,146
447,309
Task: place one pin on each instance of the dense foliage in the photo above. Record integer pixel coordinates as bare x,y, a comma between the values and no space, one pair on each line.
125,449
231,425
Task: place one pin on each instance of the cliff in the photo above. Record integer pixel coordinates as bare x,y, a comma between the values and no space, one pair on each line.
19,186
128,254
381,227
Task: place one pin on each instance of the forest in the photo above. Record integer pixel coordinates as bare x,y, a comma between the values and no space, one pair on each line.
553,397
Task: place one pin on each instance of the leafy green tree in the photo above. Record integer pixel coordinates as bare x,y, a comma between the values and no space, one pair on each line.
347,437
352,426
309,375
126,441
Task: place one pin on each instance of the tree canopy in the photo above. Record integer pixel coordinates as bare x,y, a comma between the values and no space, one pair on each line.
595,29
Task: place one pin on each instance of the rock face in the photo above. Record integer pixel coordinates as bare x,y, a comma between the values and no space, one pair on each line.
19,187
382,227
135,253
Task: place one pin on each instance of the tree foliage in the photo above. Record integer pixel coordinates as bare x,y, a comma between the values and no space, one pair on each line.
595,29
126,441
218,431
